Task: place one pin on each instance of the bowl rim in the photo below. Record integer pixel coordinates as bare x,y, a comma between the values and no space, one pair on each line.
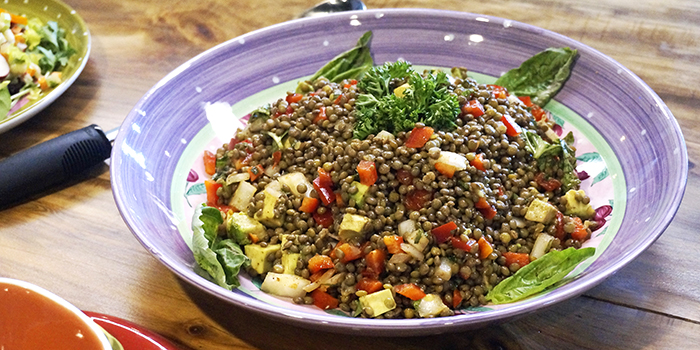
85,319
410,327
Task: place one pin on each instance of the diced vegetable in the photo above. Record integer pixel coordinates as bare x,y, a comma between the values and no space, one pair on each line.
444,232
211,188
320,262
460,244
325,219
243,196
375,262
244,229
352,227
456,298
255,172
309,205
379,302
449,162
369,285
284,285
258,256
209,162
413,251
237,177
444,270
474,108
580,233
323,185
323,300
485,208
359,196
478,162
430,305
417,199
540,211
512,128
368,172
575,206
485,248
410,290
521,259
293,180
393,244
418,137
541,246
350,252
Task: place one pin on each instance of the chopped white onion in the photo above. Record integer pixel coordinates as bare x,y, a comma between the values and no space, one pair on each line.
412,251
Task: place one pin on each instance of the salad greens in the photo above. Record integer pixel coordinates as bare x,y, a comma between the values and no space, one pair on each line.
396,97
538,275
351,64
550,154
541,76
36,54
220,257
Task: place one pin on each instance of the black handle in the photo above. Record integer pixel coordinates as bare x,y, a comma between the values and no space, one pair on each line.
51,163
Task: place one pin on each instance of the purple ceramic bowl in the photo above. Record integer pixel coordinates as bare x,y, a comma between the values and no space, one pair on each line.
647,154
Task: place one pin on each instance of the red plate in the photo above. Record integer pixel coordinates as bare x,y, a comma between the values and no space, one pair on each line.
130,335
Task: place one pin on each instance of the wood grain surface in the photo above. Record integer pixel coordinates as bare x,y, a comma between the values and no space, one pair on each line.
74,242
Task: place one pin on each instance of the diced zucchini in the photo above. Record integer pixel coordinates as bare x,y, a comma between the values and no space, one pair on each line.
430,305
258,256
359,196
284,285
243,196
574,206
239,226
541,211
380,302
352,226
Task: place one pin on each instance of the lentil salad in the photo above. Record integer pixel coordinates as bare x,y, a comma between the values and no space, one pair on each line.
415,221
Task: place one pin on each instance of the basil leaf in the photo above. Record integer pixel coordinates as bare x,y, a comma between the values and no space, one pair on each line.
351,64
538,275
221,259
541,76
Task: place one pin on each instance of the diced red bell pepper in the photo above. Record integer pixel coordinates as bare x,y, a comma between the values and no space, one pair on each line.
393,244
369,285
419,137
276,157
350,83
404,176
255,172
527,101
538,113
323,300
410,290
485,248
456,298
209,162
368,172
243,161
457,243
478,162
443,233
498,91
323,185
211,186
375,262
338,99
580,233
486,209
474,108
320,262
512,128
309,205
350,252
521,259
446,169
325,219
294,98
559,226
321,115
417,199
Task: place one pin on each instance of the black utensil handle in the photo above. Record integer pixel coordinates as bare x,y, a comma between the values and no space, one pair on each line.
51,163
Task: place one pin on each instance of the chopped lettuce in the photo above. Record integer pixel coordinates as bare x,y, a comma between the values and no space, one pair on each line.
53,46
221,258
538,275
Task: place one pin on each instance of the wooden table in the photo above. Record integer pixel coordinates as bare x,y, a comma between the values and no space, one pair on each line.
74,242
